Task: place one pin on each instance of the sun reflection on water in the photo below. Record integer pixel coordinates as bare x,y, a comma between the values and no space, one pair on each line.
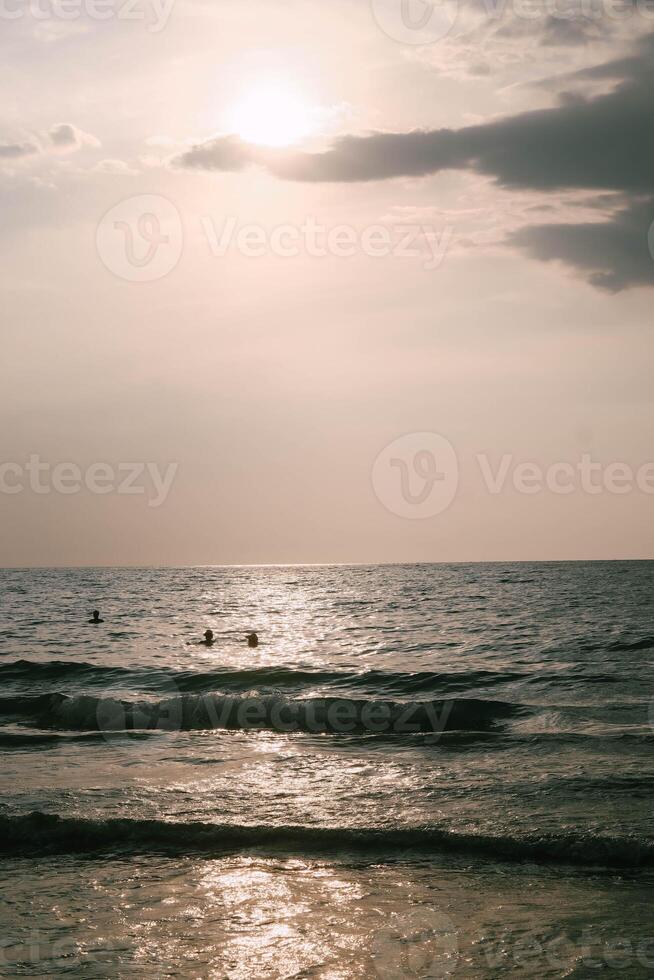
266,908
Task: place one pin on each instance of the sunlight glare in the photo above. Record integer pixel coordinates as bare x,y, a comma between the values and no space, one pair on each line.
271,115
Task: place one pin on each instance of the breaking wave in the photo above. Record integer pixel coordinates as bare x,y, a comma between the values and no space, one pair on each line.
38,832
84,712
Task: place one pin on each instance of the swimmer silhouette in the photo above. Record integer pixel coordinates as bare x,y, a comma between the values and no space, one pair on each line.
253,640
208,639
96,618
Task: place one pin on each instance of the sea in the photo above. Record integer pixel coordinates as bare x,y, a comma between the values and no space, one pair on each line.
423,770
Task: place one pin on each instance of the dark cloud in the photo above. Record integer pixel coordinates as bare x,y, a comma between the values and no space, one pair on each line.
605,142
14,151
635,67
63,135
564,33
611,255
601,142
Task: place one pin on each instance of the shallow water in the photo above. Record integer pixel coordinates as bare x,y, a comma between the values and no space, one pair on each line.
423,770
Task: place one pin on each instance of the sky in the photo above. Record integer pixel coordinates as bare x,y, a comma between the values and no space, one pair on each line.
295,281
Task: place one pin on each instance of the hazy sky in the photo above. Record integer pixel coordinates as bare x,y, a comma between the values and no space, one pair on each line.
360,281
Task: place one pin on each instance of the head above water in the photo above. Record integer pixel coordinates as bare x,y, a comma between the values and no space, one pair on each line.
208,635
96,614
253,640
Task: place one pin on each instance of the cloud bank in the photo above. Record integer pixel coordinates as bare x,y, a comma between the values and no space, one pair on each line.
60,138
596,143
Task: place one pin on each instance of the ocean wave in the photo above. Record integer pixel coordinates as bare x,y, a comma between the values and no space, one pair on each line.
626,646
38,832
634,784
39,740
503,740
28,672
35,670
498,739
400,684
245,712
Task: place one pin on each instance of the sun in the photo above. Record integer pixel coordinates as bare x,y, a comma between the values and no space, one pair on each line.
271,114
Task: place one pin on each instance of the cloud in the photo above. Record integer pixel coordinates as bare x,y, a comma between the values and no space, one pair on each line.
602,142
15,151
570,33
596,142
66,138
606,142
63,135
611,255
223,153
60,138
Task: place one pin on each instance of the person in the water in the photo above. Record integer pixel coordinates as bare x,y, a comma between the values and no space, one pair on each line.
253,640
208,639
96,617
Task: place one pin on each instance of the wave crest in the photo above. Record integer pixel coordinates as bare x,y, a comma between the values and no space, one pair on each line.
86,712
48,833
402,683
